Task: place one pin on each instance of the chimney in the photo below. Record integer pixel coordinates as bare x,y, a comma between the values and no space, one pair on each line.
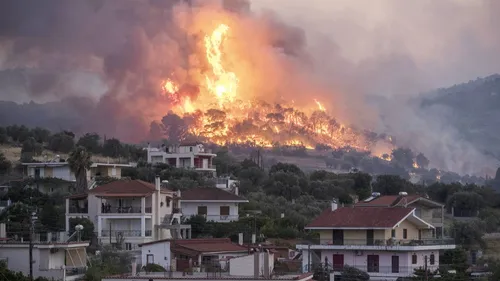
240,238
254,238
236,190
334,205
256,265
134,266
3,232
179,193
157,183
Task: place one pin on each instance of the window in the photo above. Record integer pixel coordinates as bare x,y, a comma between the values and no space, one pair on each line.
393,233
373,263
202,210
128,246
224,210
414,259
150,259
190,149
168,201
432,259
405,233
37,172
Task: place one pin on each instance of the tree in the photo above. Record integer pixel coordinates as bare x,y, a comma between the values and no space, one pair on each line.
5,165
468,234
88,228
112,148
353,274
422,161
52,216
9,275
108,262
404,157
31,147
62,142
79,162
392,185
466,202
91,142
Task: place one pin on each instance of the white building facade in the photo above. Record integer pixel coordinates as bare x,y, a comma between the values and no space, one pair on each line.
187,155
215,204
128,212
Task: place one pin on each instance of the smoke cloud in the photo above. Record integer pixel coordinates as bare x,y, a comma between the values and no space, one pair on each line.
103,60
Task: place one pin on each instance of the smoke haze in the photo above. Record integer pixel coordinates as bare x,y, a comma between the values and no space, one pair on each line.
105,59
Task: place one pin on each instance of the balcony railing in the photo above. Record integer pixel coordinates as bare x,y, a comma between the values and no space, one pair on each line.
391,270
220,218
208,167
149,210
121,210
72,271
385,242
125,233
78,210
176,211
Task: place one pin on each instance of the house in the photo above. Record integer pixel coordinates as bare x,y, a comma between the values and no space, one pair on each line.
425,208
386,242
53,256
129,212
62,171
180,254
185,155
214,203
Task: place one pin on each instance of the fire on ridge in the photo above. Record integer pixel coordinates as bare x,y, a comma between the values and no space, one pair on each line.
231,119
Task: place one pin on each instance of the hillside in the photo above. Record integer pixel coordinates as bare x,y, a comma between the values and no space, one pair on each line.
473,110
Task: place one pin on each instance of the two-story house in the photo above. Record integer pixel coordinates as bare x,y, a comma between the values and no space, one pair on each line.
62,171
128,212
214,203
186,155
385,242
425,208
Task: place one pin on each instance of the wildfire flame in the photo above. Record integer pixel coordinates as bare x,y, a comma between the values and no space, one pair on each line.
220,115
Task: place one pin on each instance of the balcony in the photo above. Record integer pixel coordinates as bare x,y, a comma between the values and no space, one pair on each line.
208,167
221,218
78,210
176,211
121,210
380,244
125,233
376,270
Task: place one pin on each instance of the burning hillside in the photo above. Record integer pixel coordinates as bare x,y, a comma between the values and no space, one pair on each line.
218,112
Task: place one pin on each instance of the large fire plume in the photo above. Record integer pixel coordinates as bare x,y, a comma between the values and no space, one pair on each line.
221,114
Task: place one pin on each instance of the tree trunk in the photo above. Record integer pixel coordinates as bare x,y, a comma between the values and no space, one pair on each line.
81,181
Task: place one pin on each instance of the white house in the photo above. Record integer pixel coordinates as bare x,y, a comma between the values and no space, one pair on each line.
386,242
129,212
53,256
186,155
214,203
62,171
181,254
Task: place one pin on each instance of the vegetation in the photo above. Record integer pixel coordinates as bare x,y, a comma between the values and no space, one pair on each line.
79,162
9,275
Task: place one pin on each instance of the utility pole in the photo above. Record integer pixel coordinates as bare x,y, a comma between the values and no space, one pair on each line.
425,267
32,236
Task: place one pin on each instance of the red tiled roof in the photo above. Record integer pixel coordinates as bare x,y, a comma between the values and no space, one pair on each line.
209,194
124,188
204,245
389,200
357,217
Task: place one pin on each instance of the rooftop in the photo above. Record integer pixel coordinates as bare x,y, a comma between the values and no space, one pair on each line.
210,194
202,276
126,188
192,247
397,200
361,217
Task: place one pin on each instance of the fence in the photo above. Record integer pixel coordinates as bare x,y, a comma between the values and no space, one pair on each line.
383,242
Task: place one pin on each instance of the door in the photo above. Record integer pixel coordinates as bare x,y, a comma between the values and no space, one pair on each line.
224,213
369,237
205,163
202,210
338,262
150,259
338,237
373,263
395,264
419,234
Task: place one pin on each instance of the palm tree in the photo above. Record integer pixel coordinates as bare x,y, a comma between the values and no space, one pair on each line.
79,162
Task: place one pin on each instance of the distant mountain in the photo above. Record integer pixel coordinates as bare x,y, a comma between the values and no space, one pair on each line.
474,109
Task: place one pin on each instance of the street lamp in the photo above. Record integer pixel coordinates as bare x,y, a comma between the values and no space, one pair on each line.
78,229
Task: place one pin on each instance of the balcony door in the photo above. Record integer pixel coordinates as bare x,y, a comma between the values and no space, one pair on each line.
338,262
369,237
202,210
395,264
224,212
338,237
373,263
